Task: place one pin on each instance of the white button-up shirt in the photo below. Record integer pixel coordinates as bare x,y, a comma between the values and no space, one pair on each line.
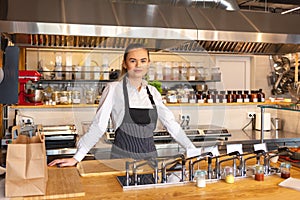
112,105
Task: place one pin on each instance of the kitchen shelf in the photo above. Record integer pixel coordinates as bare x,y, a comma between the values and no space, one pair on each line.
286,106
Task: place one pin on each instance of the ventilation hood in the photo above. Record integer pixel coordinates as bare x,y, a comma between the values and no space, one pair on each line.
114,24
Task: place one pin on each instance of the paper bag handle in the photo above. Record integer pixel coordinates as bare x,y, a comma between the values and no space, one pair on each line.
41,136
15,128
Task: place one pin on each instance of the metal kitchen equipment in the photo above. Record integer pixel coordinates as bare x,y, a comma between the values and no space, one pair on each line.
60,139
137,176
27,77
200,133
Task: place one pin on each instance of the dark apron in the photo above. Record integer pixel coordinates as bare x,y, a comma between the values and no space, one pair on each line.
134,137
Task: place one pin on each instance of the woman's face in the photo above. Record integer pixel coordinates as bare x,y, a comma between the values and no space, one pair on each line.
137,63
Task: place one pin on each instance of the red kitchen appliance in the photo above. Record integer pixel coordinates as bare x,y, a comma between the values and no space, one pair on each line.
27,77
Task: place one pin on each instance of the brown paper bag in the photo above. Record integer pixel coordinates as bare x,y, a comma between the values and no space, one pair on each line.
26,166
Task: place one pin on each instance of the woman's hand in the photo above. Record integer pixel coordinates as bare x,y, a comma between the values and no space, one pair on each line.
64,162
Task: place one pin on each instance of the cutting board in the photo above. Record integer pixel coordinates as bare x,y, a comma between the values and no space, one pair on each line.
101,167
105,167
62,183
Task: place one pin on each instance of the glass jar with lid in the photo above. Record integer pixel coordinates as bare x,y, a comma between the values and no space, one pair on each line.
55,97
76,97
175,71
89,97
65,97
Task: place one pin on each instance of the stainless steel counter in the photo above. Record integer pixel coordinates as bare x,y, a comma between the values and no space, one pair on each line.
272,138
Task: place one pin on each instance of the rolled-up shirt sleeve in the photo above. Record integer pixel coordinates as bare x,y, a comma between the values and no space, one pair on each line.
99,124
168,120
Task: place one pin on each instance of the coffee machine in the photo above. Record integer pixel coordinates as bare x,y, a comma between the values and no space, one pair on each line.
29,93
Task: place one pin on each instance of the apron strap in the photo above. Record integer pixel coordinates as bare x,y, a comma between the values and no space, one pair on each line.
150,96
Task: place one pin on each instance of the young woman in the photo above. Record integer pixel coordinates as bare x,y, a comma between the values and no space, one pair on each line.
134,108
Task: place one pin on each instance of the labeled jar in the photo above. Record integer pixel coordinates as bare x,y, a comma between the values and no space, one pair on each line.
229,96
239,96
76,98
246,96
200,178
222,97
259,173
172,96
191,73
285,170
254,98
56,97
89,97
260,96
65,97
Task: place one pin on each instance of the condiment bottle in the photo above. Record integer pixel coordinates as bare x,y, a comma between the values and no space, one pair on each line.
285,169
200,97
246,95
234,97
229,97
254,98
210,97
200,178
222,97
260,96
259,173
239,97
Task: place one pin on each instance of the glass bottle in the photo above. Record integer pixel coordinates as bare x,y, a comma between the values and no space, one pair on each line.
239,96
260,96
246,98
229,96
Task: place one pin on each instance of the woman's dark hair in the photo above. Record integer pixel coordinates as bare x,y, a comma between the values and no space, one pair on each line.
134,46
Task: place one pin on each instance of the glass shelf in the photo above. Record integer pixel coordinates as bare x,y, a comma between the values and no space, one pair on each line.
289,107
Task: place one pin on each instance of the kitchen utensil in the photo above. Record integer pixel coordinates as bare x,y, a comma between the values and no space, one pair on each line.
35,95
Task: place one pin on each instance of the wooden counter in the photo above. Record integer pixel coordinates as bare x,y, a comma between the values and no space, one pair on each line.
107,187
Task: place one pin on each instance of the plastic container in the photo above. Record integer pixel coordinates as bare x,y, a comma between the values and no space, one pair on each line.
200,178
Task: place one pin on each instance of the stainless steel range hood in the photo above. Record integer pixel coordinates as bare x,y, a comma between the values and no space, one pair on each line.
180,28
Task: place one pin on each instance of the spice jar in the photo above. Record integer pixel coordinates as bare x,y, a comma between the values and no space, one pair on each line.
285,169
234,96
200,178
56,97
76,97
65,97
200,97
246,95
239,96
175,71
229,97
222,97
229,175
89,97
259,173
254,98
260,96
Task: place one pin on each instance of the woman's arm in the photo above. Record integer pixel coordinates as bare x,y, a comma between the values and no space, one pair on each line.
168,120
99,123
